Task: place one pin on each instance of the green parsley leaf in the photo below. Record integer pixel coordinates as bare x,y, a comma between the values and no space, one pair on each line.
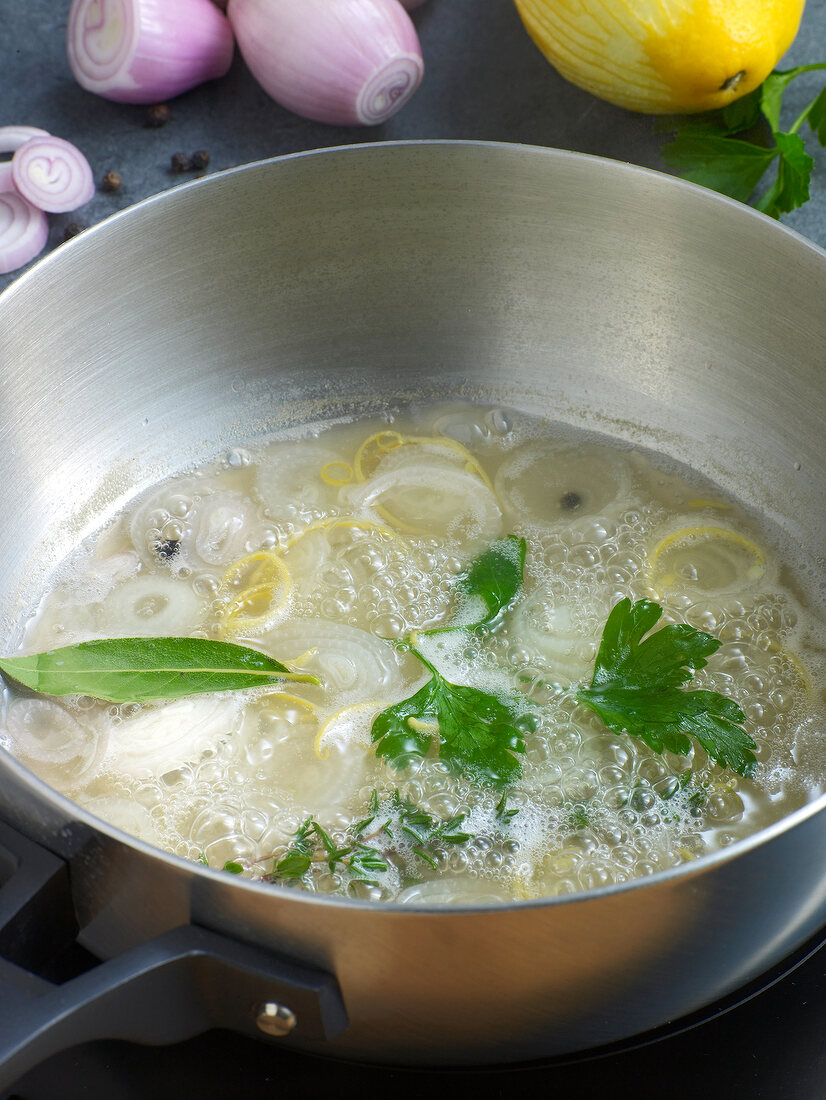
637,688
495,576
494,580
725,164
791,187
707,150
817,117
472,730
233,867
741,114
771,93
141,670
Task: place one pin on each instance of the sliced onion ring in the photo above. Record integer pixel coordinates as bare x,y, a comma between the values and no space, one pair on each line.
352,664
23,231
165,736
52,174
431,498
12,137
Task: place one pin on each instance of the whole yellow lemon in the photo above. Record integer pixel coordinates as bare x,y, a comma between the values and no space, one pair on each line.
663,56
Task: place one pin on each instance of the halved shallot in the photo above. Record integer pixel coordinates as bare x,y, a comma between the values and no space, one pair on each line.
146,51
345,62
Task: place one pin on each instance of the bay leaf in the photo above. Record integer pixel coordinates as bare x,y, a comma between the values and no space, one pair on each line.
142,670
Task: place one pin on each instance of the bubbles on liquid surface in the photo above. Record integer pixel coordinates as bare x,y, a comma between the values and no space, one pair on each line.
373,523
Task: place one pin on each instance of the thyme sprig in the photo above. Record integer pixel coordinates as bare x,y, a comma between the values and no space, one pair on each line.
401,825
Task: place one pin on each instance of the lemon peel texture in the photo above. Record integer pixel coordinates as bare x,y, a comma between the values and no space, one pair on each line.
663,56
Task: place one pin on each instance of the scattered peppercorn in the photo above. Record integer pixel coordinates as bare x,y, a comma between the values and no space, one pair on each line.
200,159
180,162
111,181
167,548
570,500
157,115
72,230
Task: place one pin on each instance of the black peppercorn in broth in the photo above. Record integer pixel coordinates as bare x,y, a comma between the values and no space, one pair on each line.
338,549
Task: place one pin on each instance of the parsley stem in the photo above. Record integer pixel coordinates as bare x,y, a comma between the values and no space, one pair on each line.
804,114
424,660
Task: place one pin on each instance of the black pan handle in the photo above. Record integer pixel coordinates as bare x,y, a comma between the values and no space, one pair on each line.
166,990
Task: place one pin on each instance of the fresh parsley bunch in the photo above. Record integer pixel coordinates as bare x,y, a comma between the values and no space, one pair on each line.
709,149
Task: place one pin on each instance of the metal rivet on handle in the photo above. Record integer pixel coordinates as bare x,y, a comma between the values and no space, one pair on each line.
275,1020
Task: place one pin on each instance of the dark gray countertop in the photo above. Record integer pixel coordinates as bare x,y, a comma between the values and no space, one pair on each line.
484,80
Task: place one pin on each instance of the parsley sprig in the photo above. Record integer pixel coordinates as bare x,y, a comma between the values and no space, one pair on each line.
709,150
638,687
472,730
638,681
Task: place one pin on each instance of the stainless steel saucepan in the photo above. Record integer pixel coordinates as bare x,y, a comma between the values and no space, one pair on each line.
591,292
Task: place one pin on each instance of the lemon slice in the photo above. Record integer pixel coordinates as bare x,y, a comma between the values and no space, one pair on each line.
707,559
342,525
350,724
256,589
373,450
279,716
328,540
337,473
277,739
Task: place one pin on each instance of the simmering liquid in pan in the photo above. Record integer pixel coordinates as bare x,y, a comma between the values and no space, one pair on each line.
323,549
